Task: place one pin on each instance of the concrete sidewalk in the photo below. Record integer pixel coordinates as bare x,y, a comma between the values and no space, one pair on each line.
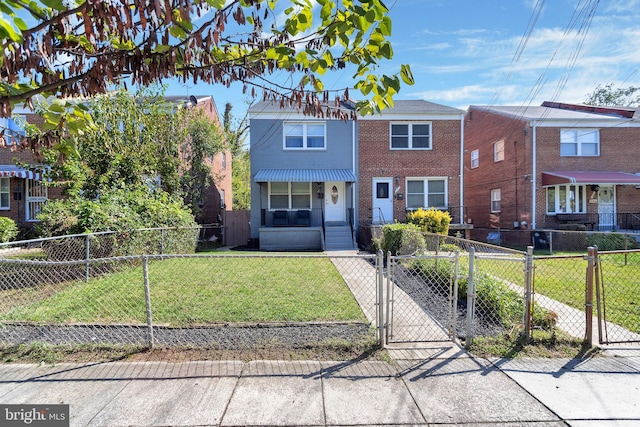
437,383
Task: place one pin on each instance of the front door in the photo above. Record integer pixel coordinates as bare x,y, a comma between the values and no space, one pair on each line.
382,212
334,202
606,208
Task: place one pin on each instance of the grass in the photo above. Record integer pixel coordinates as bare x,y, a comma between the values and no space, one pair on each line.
563,279
198,291
543,344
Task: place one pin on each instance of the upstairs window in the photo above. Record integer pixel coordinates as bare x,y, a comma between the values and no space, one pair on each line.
411,136
498,151
580,142
301,136
12,131
475,159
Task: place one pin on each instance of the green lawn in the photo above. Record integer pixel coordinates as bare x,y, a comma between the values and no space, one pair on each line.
563,279
197,291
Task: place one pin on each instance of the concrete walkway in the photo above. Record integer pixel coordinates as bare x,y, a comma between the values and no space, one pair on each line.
447,387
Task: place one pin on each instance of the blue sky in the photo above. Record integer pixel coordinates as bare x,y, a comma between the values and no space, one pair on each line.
498,52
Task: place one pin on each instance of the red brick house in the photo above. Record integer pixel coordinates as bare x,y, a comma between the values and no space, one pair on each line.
23,192
22,189
409,156
543,167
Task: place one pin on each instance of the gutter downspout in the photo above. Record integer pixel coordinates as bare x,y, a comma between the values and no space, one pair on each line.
534,174
461,204
354,187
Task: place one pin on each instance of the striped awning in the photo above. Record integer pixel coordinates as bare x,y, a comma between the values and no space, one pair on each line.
12,171
305,175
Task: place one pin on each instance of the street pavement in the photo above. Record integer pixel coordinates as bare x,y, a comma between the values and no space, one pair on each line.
423,384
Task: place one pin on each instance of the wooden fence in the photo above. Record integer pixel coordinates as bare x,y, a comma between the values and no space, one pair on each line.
236,227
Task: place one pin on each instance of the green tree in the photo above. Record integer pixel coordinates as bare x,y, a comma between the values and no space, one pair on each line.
135,143
241,182
205,139
236,134
61,49
607,95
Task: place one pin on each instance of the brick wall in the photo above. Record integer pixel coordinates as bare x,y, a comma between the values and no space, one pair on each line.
375,159
510,175
513,174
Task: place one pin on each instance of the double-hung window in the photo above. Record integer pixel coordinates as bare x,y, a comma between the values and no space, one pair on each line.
4,194
411,136
475,159
301,136
580,142
567,199
12,131
426,193
498,151
496,198
289,195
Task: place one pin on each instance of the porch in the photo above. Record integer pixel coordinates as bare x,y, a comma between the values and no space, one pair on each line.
594,221
304,230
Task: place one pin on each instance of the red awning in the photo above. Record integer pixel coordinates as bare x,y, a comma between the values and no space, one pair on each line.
600,178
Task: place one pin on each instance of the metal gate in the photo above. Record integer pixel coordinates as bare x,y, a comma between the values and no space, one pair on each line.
614,280
420,298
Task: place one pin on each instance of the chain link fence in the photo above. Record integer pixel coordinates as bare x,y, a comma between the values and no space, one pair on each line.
222,302
617,295
119,289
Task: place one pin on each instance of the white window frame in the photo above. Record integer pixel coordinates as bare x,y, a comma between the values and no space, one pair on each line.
12,131
427,192
498,151
496,200
579,138
305,135
223,160
290,193
475,158
410,135
5,188
570,198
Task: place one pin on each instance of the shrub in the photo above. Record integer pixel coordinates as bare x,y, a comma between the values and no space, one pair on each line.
611,241
8,229
430,221
495,301
401,239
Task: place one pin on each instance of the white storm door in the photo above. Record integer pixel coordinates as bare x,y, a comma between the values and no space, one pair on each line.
382,212
606,208
334,201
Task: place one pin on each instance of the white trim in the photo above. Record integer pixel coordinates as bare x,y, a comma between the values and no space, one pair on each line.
305,135
410,124
8,193
425,194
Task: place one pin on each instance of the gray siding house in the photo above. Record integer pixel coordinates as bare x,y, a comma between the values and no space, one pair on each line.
303,180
